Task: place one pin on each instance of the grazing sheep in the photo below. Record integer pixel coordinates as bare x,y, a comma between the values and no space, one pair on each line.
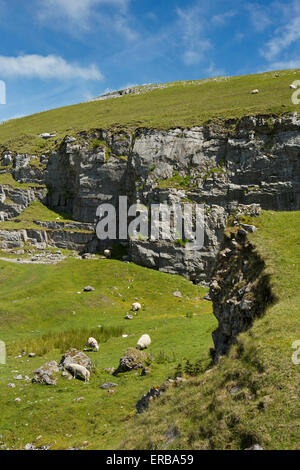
254,92
144,342
93,344
107,253
136,306
78,371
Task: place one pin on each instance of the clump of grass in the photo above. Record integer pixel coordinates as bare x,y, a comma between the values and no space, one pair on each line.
65,340
164,358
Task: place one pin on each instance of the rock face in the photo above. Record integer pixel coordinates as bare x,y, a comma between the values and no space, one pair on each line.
253,160
132,360
14,200
240,289
46,374
249,161
74,356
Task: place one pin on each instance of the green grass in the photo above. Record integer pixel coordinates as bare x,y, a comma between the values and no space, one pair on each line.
184,104
265,410
37,308
36,211
7,178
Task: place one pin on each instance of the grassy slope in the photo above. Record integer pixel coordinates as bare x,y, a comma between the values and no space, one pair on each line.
266,409
7,179
182,104
37,300
36,211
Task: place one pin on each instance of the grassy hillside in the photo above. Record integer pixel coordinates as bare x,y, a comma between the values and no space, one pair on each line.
252,396
40,304
182,104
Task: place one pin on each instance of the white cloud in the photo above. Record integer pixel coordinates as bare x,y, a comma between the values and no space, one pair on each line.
192,25
222,18
88,14
121,26
259,16
283,65
50,66
284,37
76,10
213,71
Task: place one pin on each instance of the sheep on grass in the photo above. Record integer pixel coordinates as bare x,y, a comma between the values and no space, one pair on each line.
144,342
136,307
78,371
92,343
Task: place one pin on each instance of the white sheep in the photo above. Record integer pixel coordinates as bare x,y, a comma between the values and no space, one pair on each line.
254,92
144,342
93,344
78,371
107,253
293,87
136,306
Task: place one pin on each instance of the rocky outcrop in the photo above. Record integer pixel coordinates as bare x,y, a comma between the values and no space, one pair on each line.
74,356
13,201
240,289
253,160
63,239
46,374
133,359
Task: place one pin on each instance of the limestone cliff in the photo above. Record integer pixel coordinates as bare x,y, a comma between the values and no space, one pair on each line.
253,160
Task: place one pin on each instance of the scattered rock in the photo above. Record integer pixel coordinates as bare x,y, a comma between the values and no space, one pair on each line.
171,434
145,371
133,359
18,400
47,135
11,385
18,377
177,293
69,140
255,447
29,447
78,399
207,297
234,390
31,354
88,289
46,374
180,380
108,385
110,370
76,357
249,228
128,317
143,404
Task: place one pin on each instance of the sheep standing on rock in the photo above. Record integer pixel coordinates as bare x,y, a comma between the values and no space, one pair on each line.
93,344
136,307
78,371
144,342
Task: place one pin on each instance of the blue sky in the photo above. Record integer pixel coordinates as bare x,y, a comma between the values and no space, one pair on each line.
59,52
